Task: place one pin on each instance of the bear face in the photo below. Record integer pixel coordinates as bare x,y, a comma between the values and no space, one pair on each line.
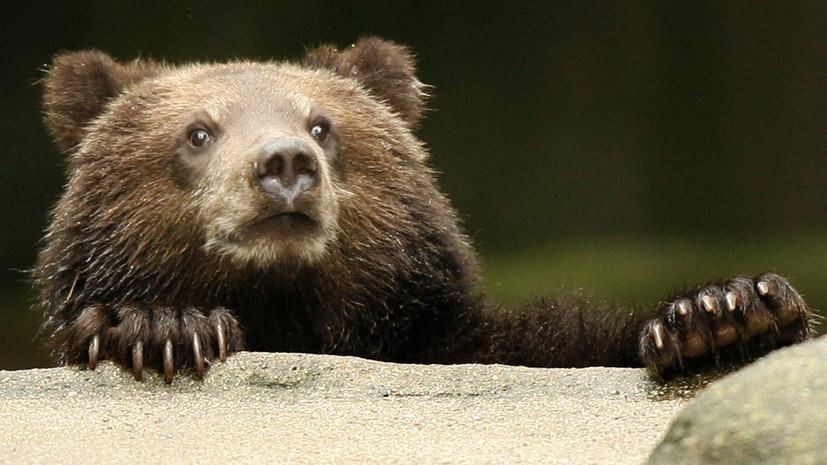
250,158
255,155
260,158
289,206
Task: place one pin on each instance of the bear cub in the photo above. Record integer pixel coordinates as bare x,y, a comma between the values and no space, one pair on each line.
286,206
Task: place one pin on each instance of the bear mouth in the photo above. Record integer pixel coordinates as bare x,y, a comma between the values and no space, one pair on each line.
286,223
274,228
275,238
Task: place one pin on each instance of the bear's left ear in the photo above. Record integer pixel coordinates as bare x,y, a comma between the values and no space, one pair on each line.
384,68
77,87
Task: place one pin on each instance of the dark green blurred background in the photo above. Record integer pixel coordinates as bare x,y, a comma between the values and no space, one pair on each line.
625,148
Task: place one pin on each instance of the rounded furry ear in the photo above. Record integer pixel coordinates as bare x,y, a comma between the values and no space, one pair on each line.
77,87
384,68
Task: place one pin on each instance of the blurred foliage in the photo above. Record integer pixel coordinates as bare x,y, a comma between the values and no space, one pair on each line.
19,346
643,271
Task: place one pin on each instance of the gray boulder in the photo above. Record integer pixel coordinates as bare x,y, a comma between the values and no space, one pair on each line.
772,412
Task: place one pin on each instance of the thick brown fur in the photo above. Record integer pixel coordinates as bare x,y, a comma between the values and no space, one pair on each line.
287,207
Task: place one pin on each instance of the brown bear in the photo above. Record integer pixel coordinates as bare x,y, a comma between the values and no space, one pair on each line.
212,208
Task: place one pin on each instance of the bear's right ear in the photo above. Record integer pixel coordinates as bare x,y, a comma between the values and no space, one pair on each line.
384,68
77,87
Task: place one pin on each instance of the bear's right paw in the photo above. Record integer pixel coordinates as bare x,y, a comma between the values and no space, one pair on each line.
162,338
743,317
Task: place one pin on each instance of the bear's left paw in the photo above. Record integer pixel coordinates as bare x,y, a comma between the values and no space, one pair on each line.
743,317
162,338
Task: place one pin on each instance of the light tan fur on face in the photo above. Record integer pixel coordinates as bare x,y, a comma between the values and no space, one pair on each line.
129,151
250,107
245,105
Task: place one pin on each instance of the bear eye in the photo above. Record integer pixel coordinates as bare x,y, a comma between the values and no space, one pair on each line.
320,130
199,138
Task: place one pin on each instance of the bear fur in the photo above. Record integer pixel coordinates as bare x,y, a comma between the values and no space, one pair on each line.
285,206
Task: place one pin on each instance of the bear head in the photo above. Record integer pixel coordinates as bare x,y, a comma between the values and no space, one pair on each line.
261,164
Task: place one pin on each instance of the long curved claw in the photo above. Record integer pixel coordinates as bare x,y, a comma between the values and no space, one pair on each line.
709,303
683,308
658,335
94,351
733,300
138,360
199,357
222,341
169,369
787,304
763,287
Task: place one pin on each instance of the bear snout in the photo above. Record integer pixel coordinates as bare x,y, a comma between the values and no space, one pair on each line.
286,170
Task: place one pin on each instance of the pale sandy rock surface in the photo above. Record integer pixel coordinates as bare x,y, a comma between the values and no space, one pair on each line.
293,408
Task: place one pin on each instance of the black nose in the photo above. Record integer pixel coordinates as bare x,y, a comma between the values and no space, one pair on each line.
286,168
